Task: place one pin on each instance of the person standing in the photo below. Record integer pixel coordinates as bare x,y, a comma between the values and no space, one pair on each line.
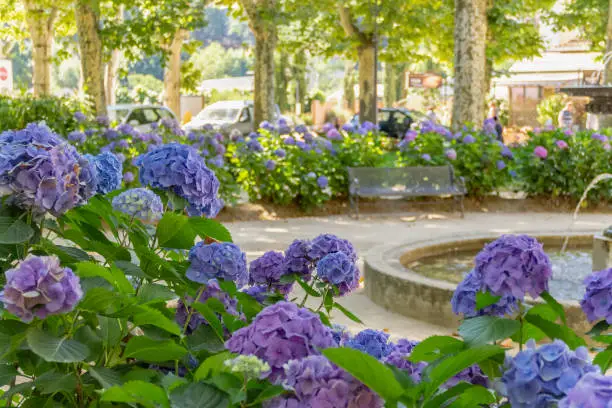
494,114
566,116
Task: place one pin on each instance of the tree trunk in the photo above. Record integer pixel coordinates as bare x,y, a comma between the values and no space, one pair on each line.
299,76
367,82
607,77
390,85
282,82
488,76
349,85
172,73
90,44
470,47
40,26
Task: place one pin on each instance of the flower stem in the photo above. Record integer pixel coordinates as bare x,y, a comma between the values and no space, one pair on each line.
191,309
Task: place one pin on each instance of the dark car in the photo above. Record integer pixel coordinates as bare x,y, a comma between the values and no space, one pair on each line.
395,122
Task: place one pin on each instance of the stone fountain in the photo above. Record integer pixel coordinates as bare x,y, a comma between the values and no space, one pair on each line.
602,250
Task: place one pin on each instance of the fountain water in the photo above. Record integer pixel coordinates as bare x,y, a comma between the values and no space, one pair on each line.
592,184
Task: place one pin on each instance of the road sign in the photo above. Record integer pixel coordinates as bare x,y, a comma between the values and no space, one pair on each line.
423,80
6,76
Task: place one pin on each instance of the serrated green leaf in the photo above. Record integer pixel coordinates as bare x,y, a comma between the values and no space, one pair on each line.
52,382
206,228
175,231
487,329
146,349
7,373
484,299
107,377
137,392
155,293
198,395
14,231
213,364
555,331
55,349
556,306
434,347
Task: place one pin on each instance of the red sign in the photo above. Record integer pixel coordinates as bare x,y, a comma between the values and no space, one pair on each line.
3,74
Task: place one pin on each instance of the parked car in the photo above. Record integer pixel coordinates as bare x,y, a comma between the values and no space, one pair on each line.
140,117
395,122
226,117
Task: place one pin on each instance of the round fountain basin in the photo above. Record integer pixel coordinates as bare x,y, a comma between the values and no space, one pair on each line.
418,279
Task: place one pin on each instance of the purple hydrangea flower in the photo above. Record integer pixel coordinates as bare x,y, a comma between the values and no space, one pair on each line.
507,153
322,181
270,165
397,357
216,161
123,144
297,259
128,177
597,301
280,333
591,391
220,149
411,136
212,291
347,127
451,154
280,153
76,136
468,139
103,120
368,126
111,134
500,165
39,286
471,375
600,137
308,137
289,141
540,377
318,383
80,117
139,203
333,134
373,342
327,127
40,171
340,271
120,157
488,126
541,152
255,146
180,169
326,244
258,292
267,270
340,334
301,129
266,126
426,157
561,144
514,265
173,126
109,172
464,299
302,145
125,128
217,261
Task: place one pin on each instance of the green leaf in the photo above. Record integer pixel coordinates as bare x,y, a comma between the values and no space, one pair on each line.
143,348
59,350
211,318
347,313
109,330
487,329
113,275
206,228
529,330
174,231
368,370
458,362
204,338
155,293
7,373
198,395
52,382
599,328
555,331
308,289
604,359
130,269
249,306
212,365
14,231
556,306
268,392
474,396
107,377
104,301
439,399
146,315
137,392
434,347
484,299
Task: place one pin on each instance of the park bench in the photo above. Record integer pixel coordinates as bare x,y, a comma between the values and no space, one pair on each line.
425,181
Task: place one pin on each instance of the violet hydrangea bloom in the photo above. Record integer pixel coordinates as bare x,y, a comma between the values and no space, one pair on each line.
397,357
139,203
471,375
267,270
541,152
258,292
540,377
301,128
451,154
322,181
80,116
507,153
326,244
599,137
368,126
561,144
109,172
289,141
426,157
340,334
280,333
217,261
468,139
255,146
333,134
373,342
514,265
270,165
196,320
500,165
597,301
411,136
280,153
128,177
40,171
297,259
348,127
592,391
181,170
464,299
338,270
39,286
76,136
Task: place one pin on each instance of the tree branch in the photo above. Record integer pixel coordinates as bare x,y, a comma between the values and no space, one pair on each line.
346,21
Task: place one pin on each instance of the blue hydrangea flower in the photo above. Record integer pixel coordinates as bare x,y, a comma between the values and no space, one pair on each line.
326,244
592,391
507,153
597,301
426,157
280,153
373,342
501,165
468,139
347,127
76,136
514,265
270,165
255,146
103,120
368,126
80,117
322,181
217,261
267,126
540,377
398,358
301,129
258,292
267,270
139,203
333,134
111,134
109,172
340,334
181,170
464,299
340,271
290,141
128,177
297,259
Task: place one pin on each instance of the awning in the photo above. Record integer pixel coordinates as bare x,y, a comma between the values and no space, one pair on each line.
543,79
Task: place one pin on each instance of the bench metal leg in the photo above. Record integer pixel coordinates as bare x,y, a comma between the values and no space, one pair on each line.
459,202
354,204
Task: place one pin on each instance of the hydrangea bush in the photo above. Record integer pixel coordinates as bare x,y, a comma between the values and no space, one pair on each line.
132,298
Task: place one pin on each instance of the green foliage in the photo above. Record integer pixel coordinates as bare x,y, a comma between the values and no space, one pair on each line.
228,62
58,113
549,108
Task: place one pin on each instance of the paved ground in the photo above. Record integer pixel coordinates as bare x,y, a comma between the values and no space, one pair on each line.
256,237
